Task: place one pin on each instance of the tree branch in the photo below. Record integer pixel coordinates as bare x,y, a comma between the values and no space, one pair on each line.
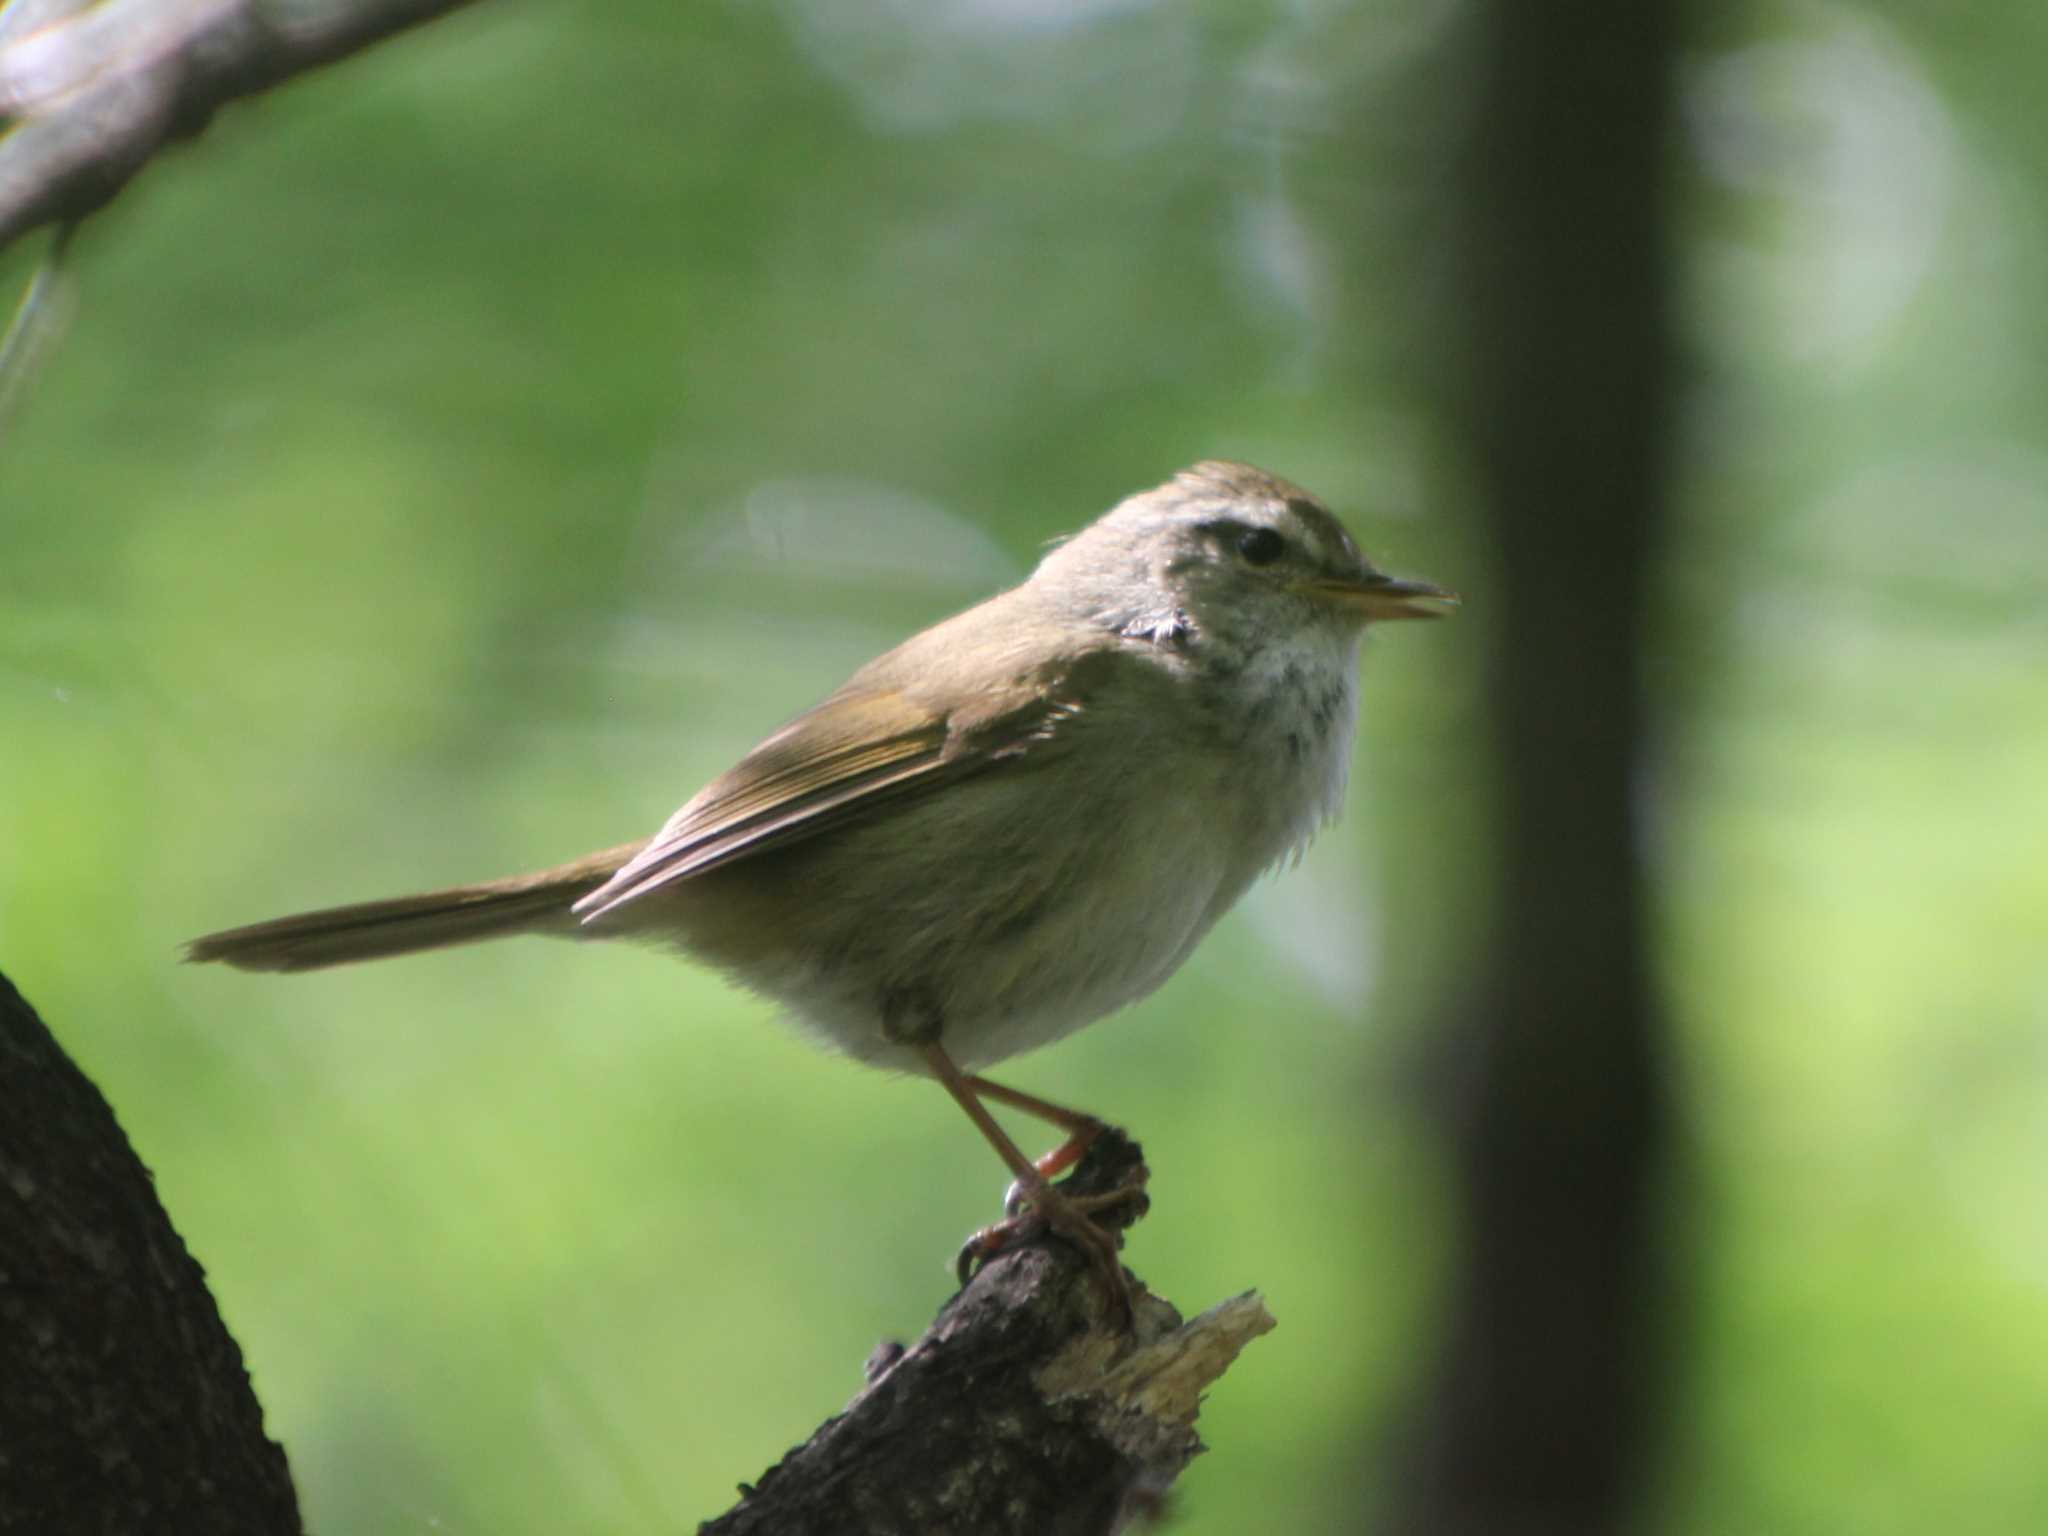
91,89
1020,1410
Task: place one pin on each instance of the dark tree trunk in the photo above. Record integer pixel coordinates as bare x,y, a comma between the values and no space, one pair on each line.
1543,1412
123,1402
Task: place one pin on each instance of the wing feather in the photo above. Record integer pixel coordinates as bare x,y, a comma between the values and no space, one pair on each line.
866,744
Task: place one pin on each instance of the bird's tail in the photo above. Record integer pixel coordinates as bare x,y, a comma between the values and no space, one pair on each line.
371,930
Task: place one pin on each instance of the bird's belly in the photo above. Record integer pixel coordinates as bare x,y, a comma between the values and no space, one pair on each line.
980,915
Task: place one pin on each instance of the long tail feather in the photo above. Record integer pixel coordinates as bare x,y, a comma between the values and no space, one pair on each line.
371,930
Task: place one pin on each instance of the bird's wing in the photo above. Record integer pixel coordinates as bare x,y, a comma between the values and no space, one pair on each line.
866,744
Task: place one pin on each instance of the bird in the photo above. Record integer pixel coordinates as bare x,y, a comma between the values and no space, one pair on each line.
1009,826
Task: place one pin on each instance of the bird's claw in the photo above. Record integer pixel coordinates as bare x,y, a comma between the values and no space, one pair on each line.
1022,1223
982,1246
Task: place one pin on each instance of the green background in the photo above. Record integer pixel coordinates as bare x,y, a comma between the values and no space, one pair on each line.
457,458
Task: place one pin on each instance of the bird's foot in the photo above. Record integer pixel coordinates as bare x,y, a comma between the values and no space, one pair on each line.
1056,1162
1088,1216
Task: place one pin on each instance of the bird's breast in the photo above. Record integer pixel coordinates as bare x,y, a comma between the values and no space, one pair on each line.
1012,906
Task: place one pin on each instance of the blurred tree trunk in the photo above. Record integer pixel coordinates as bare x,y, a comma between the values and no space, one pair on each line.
1543,1413
125,1406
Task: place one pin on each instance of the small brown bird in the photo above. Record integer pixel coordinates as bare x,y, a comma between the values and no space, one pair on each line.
1012,824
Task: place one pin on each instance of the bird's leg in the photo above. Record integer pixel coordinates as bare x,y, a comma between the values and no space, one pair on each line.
1067,1216
1081,1129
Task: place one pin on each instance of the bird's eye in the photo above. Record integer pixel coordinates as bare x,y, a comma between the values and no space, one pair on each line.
1260,546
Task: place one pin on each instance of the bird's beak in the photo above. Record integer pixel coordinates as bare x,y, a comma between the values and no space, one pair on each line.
1392,597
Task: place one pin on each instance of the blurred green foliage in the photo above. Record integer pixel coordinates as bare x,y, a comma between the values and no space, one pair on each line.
459,456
